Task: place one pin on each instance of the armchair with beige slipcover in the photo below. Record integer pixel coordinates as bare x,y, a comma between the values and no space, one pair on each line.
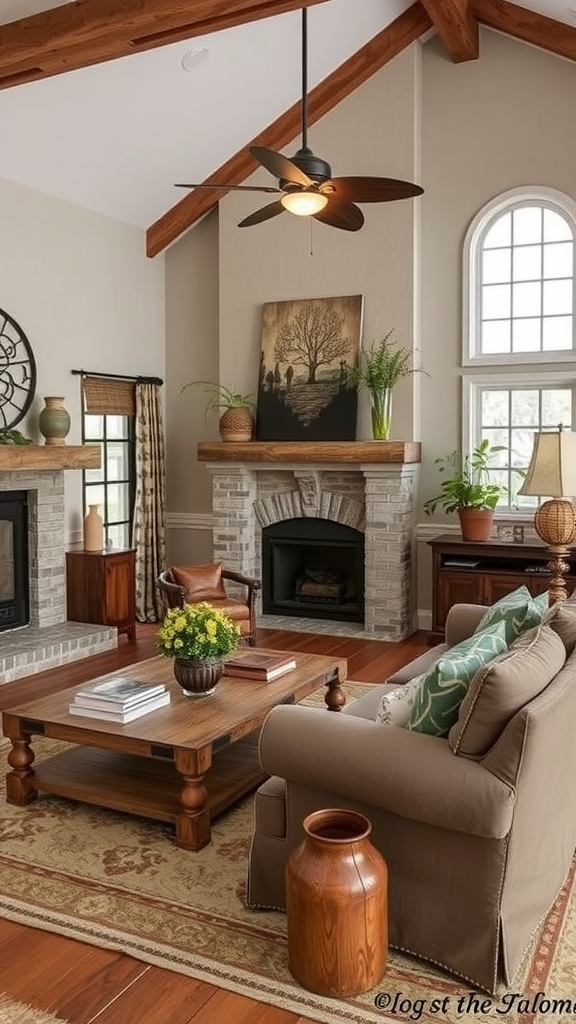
191,584
478,829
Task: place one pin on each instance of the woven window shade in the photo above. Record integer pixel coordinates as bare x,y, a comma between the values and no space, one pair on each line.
106,397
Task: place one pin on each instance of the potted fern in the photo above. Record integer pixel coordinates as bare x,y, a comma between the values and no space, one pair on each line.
468,490
236,422
381,367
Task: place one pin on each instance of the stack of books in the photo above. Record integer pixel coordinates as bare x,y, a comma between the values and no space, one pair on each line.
259,665
119,700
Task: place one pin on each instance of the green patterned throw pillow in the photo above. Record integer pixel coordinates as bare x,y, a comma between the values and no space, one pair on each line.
445,685
519,611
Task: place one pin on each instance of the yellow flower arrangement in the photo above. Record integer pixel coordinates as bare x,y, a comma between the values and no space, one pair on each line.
197,632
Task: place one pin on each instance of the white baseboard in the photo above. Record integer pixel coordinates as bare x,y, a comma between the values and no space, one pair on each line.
189,521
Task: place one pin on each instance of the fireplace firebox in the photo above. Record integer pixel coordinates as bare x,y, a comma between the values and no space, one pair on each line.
14,588
313,568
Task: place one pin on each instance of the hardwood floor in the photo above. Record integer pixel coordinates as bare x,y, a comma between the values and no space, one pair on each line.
85,984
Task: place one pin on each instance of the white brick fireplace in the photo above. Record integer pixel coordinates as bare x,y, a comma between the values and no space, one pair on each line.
49,639
366,485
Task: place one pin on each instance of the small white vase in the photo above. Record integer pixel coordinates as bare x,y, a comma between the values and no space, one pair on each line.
93,530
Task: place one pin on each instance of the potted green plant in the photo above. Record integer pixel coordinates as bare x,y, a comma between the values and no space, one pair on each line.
237,420
468,490
198,637
381,367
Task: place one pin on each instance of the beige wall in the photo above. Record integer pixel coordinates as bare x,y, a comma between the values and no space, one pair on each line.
487,126
80,286
372,132
467,132
192,354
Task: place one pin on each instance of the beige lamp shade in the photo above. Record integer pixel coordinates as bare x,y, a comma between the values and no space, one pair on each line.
552,469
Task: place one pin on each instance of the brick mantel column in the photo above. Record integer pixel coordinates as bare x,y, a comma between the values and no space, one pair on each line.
234,491
388,611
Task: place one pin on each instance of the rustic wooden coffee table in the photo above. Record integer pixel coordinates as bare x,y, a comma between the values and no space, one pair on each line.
184,764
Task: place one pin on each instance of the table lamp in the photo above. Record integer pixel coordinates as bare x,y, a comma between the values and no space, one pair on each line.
552,470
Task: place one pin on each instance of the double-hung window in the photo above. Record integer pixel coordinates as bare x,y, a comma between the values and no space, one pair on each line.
519,327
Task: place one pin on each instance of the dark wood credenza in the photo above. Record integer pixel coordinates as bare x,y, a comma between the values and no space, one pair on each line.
101,588
483,572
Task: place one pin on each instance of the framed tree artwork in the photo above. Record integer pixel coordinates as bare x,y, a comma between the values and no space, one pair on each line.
302,391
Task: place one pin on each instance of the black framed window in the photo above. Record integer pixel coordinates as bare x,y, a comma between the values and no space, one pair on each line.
109,421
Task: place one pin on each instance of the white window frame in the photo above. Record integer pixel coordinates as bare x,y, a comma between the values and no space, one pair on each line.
528,195
472,384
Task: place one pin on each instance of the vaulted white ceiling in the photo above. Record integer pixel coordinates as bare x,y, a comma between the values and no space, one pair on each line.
115,137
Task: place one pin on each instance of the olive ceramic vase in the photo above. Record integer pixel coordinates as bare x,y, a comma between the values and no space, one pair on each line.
54,421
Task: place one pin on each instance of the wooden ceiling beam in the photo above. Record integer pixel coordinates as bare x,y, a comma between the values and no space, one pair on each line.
546,33
406,29
87,32
457,27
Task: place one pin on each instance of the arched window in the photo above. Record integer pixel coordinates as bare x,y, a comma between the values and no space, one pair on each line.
519,337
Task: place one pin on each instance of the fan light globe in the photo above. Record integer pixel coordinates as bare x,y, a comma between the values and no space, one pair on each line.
304,203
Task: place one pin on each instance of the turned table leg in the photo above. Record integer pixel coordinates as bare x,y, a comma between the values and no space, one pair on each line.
193,821
334,698
20,788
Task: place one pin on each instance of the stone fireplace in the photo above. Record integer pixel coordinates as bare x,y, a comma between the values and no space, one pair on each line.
47,639
366,486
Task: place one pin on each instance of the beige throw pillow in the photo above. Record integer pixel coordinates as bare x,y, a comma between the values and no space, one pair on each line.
395,707
500,689
562,619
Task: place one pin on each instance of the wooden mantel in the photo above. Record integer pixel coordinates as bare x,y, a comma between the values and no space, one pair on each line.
310,451
30,457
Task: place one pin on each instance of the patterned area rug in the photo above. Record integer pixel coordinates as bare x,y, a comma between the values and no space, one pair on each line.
12,1012
120,882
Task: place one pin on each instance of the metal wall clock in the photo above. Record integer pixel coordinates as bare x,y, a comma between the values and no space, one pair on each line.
17,372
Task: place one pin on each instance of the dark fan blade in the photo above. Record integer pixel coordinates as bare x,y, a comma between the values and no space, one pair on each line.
280,166
341,215
265,213
370,190
234,188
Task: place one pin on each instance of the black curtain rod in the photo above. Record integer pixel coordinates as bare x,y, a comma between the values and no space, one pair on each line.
118,376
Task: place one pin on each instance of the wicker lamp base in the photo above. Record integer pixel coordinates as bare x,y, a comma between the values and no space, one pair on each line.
555,524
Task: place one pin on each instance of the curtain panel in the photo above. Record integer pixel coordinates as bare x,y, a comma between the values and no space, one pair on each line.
149,529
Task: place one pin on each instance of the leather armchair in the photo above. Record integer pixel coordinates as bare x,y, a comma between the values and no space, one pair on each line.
192,584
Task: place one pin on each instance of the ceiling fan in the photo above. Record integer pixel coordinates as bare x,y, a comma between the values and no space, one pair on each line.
306,184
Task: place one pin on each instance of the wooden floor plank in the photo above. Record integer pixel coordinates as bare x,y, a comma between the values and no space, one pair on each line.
226,1006
61,968
156,990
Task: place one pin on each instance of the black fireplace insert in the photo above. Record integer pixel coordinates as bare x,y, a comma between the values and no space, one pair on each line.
313,568
14,586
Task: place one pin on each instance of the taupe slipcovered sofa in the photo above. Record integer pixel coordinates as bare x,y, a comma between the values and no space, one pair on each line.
478,830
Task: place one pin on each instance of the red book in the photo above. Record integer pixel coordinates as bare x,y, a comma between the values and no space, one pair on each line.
258,665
